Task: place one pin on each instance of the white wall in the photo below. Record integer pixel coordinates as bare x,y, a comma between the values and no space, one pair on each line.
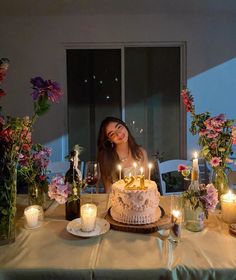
36,46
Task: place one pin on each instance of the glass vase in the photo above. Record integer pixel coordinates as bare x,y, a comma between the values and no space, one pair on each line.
72,209
220,181
194,218
8,175
35,194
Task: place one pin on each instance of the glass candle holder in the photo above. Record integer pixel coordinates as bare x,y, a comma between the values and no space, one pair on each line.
88,214
228,207
176,219
32,214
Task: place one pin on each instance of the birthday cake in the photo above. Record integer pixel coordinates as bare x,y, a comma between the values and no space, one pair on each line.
135,201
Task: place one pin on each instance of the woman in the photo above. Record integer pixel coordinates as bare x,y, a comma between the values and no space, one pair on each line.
116,146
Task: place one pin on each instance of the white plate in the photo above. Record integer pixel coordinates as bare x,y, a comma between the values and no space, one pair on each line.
101,227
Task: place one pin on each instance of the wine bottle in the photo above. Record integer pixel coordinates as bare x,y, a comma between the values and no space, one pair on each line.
73,177
194,216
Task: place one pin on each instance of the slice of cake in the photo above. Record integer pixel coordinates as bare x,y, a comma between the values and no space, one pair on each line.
135,201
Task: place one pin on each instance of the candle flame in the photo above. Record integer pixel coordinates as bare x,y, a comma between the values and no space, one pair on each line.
149,165
195,155
135,164
119,166
176,213
141,170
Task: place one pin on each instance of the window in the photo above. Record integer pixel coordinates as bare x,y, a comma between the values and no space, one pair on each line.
148,96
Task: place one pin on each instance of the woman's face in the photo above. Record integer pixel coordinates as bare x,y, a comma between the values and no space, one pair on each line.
117,133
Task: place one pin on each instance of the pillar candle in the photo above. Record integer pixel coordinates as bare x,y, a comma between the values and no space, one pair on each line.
228,207
88,213
195,169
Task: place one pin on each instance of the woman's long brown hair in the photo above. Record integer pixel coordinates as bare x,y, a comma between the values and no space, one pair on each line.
107,155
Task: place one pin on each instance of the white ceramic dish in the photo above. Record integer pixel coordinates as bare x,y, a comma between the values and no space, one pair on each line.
101,227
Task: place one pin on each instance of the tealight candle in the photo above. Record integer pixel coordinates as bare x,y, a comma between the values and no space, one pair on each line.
88,213
228,207
32,216
149,171
119,168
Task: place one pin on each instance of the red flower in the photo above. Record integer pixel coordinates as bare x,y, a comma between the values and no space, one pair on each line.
182,167
187,100
2,93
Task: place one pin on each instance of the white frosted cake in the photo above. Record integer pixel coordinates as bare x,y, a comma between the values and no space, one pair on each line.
135,204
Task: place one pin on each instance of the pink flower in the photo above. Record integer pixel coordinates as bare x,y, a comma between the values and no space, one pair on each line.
211,198
182,167
212,135
58,189
203,132
234,134
215,161
215,124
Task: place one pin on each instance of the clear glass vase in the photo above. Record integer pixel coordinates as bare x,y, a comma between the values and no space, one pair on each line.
35,194
8,175
193,218
220,181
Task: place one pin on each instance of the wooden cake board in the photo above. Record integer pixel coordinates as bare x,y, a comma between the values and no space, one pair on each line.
163,223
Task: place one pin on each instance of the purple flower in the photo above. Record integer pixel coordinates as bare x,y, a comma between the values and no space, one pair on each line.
211,198
46,88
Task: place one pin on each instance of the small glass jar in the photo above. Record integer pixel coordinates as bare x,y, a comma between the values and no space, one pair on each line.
194,218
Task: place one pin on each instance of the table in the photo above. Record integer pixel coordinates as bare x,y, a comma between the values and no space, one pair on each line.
50,252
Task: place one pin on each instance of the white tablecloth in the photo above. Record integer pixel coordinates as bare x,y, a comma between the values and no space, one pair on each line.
50,252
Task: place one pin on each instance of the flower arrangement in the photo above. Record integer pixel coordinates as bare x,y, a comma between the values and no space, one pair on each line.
33,164
68,188
216,134
206,198
15,142
216,137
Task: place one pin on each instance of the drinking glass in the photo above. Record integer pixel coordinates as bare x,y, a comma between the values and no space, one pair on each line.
92,173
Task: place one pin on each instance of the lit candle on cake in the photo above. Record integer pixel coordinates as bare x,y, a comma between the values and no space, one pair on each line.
195,169
135,171
119,168
228,207
88,214
141,171
149,171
